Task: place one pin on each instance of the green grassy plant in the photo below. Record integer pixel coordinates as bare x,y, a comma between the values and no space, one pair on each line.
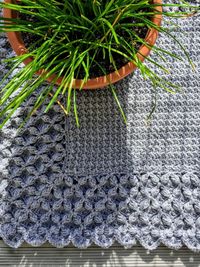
71,36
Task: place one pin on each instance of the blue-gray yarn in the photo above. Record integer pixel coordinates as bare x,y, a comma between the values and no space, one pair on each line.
108,181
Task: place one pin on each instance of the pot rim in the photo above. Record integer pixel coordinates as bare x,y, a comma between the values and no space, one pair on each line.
18,46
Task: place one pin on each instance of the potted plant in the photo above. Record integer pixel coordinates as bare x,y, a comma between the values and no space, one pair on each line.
80,45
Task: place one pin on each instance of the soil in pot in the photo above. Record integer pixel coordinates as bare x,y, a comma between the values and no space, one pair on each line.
103,60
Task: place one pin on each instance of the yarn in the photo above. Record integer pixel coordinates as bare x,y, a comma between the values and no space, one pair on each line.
107,181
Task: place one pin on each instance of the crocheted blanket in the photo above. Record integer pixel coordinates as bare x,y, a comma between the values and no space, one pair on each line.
107,181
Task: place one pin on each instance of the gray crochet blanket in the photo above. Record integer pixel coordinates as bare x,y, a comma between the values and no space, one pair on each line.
107,181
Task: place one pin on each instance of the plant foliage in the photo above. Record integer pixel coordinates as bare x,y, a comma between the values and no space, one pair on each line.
70,38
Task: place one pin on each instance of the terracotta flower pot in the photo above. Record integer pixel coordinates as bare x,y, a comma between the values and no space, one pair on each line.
18,46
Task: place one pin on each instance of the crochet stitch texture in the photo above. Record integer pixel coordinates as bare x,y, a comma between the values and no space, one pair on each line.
106,181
